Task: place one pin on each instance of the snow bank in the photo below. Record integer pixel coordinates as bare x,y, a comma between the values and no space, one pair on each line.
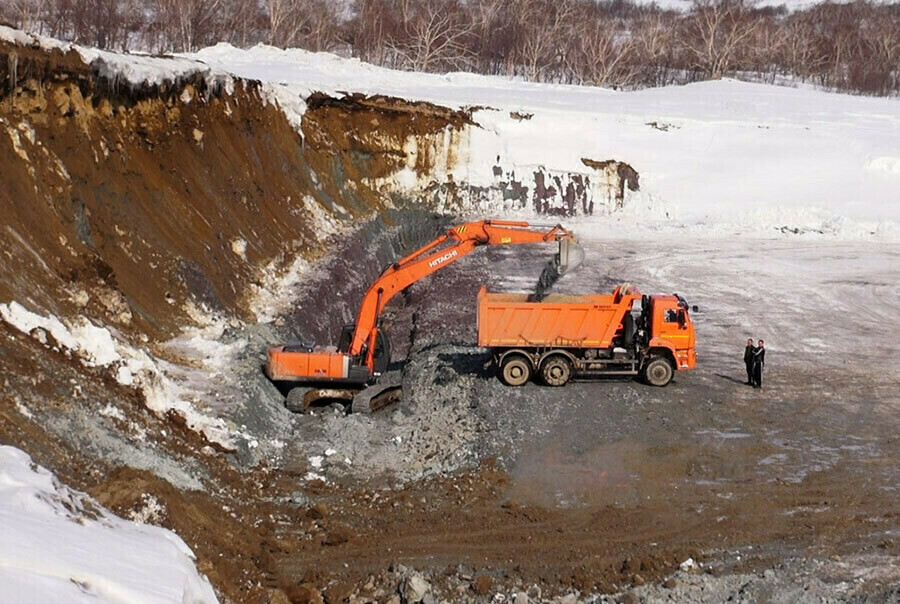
717,152
98,347
135,69
59,545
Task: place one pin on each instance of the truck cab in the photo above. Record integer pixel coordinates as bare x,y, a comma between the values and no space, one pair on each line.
669,330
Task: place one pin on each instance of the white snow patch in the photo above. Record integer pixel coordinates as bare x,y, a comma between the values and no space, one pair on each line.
59,545
150,511
97,347
21,408
687,565
278,289
136,69
890,165
112,411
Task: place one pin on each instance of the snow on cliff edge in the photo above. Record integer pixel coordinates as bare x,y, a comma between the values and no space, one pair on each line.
715,157
59,545
719,152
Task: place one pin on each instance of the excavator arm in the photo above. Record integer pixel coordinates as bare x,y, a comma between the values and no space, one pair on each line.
443,251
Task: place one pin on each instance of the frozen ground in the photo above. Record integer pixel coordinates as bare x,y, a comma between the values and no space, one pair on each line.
824,309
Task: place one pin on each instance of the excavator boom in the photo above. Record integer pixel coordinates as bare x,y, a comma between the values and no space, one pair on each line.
443,251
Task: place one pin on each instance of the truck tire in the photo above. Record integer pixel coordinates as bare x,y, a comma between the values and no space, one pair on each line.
515,370
556,371
658,372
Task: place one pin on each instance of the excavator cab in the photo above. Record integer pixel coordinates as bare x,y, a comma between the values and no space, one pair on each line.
381,359
346,337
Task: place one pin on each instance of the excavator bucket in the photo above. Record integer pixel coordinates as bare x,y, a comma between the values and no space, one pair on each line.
571,255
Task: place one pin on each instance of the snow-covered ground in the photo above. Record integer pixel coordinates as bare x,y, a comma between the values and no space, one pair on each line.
100,347
724,155
59,545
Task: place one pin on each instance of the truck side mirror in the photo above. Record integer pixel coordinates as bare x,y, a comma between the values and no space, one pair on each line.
695,308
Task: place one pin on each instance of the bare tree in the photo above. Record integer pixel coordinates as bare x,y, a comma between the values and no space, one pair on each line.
435,35
797,50
493,34
312,24
187,23
714,31
243,22
654,39
25,14
544,24
853,46
602,56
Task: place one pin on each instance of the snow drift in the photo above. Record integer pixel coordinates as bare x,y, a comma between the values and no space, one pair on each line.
59,545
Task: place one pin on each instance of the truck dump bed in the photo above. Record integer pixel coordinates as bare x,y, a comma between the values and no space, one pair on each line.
589,321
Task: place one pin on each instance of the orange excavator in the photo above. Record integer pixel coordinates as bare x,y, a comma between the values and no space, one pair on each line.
349,371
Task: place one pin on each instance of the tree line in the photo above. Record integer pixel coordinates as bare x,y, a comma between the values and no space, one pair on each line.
849,47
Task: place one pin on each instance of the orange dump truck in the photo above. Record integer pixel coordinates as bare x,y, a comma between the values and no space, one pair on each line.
562,336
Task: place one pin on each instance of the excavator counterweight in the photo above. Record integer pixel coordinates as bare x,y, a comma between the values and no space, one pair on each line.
364,351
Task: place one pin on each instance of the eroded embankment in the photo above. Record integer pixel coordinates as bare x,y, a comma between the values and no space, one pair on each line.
155,198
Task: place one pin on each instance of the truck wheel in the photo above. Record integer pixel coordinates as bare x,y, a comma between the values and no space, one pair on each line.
515,371
658,372
556,371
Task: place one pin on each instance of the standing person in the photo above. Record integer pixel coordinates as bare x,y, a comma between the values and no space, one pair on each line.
759,363
748,360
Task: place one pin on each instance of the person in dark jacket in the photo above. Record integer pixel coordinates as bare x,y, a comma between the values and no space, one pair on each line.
759,363
748,360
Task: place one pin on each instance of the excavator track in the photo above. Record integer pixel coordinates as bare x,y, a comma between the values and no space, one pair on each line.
301,398
388,390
